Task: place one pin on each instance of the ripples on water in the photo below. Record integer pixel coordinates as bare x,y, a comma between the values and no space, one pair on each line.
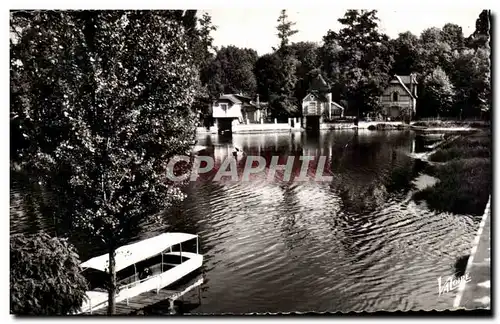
359,243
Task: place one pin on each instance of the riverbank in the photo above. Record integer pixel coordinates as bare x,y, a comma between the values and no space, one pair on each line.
448,126
462,165
452,124
420,126
296,127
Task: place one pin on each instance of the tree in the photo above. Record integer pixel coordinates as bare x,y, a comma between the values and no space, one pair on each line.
365,60
472,80
45,276
276,80
307,58
103,99
329,56
406,51
452,34
283,102
434,52
275,74
438,93
232,71
204,46
266,73
285,30
482,35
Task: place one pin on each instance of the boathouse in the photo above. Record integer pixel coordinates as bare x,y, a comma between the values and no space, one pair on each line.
318,105
234,109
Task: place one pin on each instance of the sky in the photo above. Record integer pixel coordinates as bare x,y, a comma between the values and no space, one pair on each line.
256,27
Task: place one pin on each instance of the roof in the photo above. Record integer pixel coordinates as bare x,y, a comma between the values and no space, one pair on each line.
230,97
336,105
130,254
406,79
318,96
401,80
242,98
252,104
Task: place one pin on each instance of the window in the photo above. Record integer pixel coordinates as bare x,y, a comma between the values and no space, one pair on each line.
312,108
223,106
395,96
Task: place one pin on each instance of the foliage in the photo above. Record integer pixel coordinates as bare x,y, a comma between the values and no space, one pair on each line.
45,277
472,78
452,35
438,93
329,60
232,71
364,58
205,47
276,74
283,102
434,52
103,100
481,36
307,58
285,30
358,61
266,72
406,54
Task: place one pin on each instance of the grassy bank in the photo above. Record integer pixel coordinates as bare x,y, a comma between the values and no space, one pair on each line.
452,124
464,178
476,145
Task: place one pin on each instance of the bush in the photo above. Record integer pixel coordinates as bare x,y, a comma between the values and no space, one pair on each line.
45,276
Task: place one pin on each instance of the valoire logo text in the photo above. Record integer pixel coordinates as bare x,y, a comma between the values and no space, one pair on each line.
451,283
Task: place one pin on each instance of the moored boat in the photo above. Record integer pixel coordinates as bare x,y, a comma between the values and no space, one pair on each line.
150,264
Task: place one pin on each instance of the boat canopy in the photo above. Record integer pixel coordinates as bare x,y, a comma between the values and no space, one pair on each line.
133,253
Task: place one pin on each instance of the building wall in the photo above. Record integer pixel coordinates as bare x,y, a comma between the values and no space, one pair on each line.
252,116
321,107
308,110
232,111
405,101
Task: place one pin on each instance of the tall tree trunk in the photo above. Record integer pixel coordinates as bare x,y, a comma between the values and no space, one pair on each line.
112,283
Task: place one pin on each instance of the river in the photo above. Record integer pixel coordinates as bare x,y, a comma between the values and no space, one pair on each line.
356,243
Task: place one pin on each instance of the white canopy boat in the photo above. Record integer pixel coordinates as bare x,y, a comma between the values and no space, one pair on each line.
147,265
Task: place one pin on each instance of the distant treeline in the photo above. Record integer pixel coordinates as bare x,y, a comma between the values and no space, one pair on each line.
453,71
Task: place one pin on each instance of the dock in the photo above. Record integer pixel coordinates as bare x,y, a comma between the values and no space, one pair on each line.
476,293
149,298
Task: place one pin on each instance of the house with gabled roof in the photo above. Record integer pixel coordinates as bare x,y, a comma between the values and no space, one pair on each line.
233,109
318,101
399,99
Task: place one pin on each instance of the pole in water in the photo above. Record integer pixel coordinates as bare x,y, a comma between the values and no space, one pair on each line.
171,308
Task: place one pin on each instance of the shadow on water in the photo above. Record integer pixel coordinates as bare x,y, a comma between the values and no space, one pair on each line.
461,265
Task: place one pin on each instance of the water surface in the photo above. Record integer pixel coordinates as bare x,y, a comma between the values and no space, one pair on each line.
357,243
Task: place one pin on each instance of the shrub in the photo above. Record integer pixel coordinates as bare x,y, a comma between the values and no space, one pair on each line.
45,276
